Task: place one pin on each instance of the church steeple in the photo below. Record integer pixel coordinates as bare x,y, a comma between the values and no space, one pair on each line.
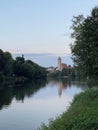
59,63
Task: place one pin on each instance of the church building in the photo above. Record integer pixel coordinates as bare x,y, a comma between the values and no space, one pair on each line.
61,65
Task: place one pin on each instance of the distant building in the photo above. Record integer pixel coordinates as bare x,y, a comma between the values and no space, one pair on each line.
51,69
61,65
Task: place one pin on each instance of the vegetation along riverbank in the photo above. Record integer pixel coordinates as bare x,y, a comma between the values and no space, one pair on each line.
14,72
82,114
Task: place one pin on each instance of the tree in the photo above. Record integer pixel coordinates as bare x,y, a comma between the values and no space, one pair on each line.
8,68
19,70
65,72
85,46
28,69
2,61
6,63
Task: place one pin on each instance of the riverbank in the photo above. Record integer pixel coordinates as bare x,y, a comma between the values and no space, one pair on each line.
82,114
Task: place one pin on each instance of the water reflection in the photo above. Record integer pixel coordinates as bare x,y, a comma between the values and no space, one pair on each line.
29,89
60,86
63,84
33,103
19,93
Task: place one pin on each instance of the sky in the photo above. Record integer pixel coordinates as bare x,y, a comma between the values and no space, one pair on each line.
39,26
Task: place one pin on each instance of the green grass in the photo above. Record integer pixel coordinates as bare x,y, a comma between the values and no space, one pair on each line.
82,114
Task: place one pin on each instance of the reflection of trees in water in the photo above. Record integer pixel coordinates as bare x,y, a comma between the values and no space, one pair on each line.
5,97
29,89
19,92
67,83
80,84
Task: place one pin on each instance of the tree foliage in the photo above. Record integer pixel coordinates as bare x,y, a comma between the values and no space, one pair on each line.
85,46
19,69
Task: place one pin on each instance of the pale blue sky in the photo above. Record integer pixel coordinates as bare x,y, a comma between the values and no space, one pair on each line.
35,26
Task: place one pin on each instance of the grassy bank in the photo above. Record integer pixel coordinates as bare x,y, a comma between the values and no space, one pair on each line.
82,114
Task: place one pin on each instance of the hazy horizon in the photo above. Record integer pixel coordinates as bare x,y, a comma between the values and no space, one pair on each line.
45,59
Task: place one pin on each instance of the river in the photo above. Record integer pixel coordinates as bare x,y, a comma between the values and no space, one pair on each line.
27,107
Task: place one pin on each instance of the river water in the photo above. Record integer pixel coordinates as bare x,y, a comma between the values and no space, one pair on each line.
27,107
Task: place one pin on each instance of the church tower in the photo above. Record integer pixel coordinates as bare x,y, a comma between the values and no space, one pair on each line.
59,64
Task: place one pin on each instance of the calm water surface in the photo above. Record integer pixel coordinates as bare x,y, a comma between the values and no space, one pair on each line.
27,107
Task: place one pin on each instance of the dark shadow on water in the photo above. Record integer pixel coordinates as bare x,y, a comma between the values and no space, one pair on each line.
19,92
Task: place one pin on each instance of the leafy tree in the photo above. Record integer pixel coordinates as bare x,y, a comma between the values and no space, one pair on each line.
20,60
19,70
65,72
6,63
28,69
85,46
2,61
8,68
